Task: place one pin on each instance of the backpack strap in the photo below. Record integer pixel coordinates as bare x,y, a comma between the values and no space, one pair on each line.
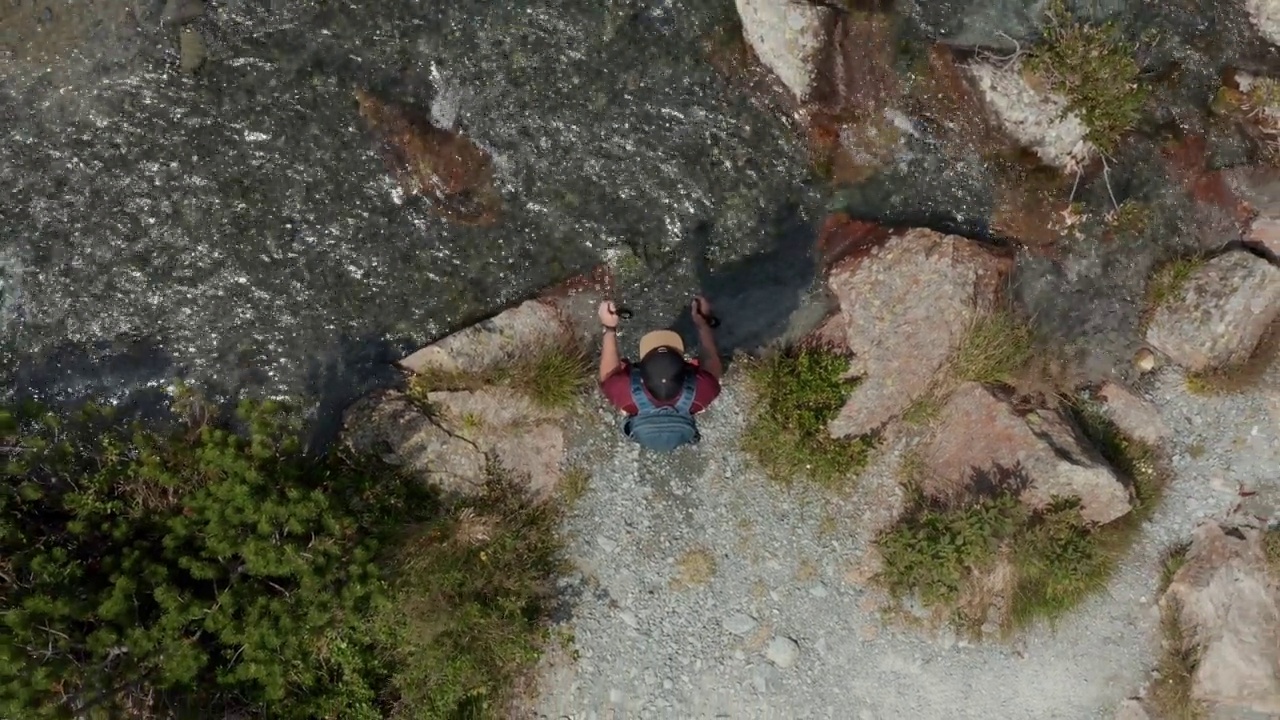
638,394
687,393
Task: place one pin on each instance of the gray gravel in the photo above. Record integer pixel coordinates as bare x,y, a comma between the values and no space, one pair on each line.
784,628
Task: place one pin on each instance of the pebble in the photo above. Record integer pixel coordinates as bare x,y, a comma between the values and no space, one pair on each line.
606,544
629,618
782,651
818,591
739,623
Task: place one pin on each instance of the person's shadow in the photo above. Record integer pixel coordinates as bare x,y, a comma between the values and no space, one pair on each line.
757,296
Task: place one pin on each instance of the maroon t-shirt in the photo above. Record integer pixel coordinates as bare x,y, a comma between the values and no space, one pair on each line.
617,388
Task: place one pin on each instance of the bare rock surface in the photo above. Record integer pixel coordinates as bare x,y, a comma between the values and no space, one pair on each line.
510,428
1226,308
1228,606
392,425
1136,416
1038,120
492,343
981,434
905,307
789,37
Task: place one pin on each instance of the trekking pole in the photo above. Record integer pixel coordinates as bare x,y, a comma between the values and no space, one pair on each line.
625,313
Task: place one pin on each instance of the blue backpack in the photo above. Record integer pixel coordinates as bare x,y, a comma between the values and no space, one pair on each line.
662,428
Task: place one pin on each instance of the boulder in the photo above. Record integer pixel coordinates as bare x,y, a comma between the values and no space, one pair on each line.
389,424
1227,605
982,433
1037,119
789,37
905,306
1134,415
494,343
1227,306
1259,188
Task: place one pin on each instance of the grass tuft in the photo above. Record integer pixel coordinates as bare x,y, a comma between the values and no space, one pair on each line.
1170,693
574,484
798,392
1168,281
470,609
1056,559
1094,68
553,378
996,346
1171,562
1271,545
695,567
1131,219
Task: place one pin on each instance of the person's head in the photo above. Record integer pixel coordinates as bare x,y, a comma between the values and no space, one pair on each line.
662,366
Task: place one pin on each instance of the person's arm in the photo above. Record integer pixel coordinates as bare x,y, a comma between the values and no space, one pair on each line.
610,360
708,355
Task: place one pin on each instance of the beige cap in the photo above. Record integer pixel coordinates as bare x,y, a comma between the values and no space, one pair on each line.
660,338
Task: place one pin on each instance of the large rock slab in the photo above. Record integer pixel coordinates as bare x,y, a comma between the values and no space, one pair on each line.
789,37
982,433
1133,414
905,306
390,424
509,428
1226,308
494,343
1228,607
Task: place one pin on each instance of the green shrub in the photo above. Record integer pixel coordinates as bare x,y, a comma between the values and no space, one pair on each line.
798,392
1095,69
931,551
469,609
219,567
1057,559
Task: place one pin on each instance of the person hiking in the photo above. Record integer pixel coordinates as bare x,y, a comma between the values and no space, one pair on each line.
662,392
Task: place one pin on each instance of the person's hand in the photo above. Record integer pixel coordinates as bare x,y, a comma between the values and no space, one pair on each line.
608,314
701,311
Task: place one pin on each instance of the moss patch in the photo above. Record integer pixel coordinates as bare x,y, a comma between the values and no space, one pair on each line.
1094,68
798,392
1050,559
1168,282
1130,220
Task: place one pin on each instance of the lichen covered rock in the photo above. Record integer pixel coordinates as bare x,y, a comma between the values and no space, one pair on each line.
1225,309
789,37
1037,119
981,434
1227,607
905,306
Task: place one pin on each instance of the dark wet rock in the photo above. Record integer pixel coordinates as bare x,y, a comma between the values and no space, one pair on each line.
789,37
1219,211
192,51
980,436
1227,605
441,164
905,306
1226,308
855,122
1002,25
181,12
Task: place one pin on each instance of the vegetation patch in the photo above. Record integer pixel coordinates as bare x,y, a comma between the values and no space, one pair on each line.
994,349
1131,219
554,378
1271,545
1095,69
1168,282
215,568
695,568
798,392
988,558
1170,693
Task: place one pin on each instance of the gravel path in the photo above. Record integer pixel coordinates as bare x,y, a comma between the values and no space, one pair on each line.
785,627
